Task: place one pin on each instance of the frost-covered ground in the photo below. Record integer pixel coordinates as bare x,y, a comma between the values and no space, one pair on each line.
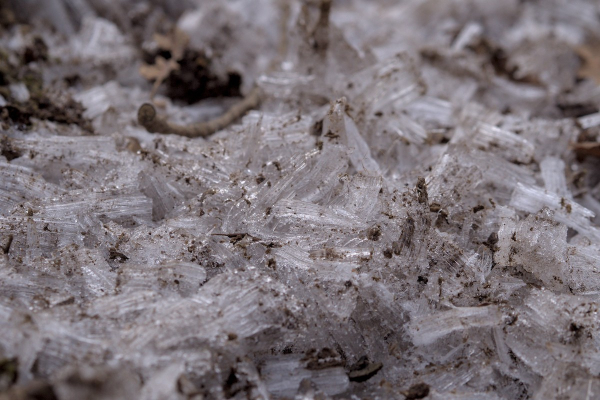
410,213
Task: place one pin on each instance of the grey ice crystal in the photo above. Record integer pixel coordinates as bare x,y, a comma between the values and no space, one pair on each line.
403,216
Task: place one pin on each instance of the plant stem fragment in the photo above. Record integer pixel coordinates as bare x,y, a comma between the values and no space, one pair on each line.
148,118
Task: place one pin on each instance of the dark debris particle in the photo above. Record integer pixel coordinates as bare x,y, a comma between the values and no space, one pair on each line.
576,110
577,330
435,207
195,80
5,243
8,148
115,255
70,112
37,51
422,190
232,384
406,236
260,179
324,358
564,204
374,233
41,107
72,80
363,370
417,391
492,239
34,390
362,363
388,253
9,372
7,16
478,208
331,135
317,128
422,279
18,115
236,238
396,247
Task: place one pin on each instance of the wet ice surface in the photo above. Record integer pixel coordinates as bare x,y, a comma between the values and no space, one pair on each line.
402,218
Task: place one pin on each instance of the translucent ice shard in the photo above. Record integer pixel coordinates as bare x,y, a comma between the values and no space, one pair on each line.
162,384
553,174
306,214
589,121
583,274
123,305
427,329
95,101
363,192
428,108
317,183
164,195
19,92
431,233
99,277
477,170
18,184
532,199
175,277
393,81
88,381
455,395
569,381
559,318
99,40
339,125
469,34
485,135
283,376
538,244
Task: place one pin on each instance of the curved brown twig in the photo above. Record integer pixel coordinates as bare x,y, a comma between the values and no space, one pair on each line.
586,148
148,118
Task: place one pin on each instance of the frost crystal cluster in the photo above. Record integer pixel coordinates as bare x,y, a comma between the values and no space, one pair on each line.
409,213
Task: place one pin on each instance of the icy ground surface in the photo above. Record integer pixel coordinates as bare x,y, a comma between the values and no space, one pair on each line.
403,217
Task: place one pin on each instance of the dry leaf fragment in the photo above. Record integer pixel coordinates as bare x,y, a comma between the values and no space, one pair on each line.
590,68
175,43
158,72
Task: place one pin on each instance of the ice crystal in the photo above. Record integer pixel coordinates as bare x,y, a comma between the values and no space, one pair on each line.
402,217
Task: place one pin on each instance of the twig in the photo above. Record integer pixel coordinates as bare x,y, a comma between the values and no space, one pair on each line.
148,118
587,148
